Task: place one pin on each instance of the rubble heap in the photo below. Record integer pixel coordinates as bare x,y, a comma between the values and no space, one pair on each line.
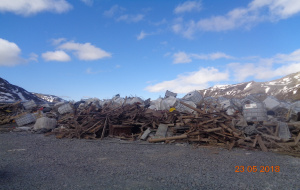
249,123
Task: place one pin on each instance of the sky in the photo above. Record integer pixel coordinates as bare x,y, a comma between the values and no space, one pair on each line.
99,48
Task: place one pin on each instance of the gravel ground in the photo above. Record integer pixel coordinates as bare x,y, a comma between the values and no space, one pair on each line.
33,161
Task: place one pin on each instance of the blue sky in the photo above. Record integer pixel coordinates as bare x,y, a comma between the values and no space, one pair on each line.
99,48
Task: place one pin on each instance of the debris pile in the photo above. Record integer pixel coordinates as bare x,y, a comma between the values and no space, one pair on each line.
248,123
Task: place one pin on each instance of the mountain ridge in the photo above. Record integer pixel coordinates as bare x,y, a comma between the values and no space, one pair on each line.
286,88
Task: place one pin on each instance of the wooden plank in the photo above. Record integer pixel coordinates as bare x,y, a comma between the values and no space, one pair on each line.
255,141
261,144
231,145
104,128
168,138
297,139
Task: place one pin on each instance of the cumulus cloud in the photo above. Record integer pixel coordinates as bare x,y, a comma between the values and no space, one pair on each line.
182,57
190,81
30,7
9,53
256,11
188,6
276,66
56,56
261,69
85,51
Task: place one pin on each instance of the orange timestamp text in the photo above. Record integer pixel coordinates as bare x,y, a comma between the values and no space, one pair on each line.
241,169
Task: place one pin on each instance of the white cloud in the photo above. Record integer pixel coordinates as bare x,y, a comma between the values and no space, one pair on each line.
142,35
294,57
276,66
9,53
56,56
116,9
277,8
88,2
188,6
30,7
190,81
256,11
33,57
131,18
182,57
85,51
58,41
261,69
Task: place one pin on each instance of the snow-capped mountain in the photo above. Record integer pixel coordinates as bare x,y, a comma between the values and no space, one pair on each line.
285,88
49,98
12,93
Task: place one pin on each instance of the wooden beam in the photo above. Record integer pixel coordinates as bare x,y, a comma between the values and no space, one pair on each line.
168,138
261,144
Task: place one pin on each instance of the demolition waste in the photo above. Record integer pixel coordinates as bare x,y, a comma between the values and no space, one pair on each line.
254,122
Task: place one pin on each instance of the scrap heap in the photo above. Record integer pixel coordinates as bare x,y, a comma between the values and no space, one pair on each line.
191,119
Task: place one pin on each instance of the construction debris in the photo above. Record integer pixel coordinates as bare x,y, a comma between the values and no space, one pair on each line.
191,119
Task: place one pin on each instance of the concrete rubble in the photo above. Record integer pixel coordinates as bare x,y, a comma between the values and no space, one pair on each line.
252,122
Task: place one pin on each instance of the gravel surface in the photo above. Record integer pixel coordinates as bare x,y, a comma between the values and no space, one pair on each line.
33,161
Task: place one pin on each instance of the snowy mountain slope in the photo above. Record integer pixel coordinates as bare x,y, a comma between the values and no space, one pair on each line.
12,93
286,88
49,98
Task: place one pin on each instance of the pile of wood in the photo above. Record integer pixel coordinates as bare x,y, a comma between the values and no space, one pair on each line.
8,112
204,127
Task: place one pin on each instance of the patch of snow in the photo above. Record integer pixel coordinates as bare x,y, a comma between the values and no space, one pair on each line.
248,85
267,89
21,96
295,91
286,79
220,86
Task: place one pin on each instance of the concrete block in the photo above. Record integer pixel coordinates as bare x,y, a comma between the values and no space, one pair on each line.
66,108
161,131
194,96
29,105
284,131
45,123
145,134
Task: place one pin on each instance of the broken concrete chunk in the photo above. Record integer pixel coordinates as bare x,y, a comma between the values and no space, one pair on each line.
44,123
161,131
170,94
271,102
284,132
145,134
194,96
66,108
29,105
